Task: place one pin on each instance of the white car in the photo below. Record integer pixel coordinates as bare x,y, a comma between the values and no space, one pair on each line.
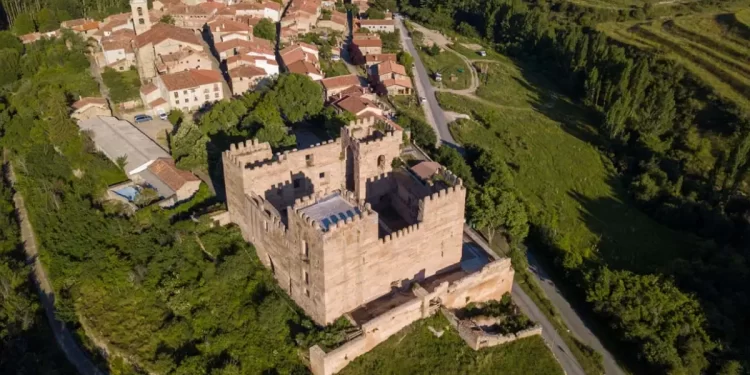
162,114
422,99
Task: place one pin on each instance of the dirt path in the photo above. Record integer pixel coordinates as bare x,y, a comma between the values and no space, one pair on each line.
63,336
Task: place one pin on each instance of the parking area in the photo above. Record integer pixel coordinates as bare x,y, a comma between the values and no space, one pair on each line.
156,129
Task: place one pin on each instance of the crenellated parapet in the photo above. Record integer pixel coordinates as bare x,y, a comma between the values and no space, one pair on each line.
267,212
239,153
403,234
380,177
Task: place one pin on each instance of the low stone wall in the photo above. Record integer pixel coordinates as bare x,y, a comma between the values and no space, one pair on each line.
476,338
491,282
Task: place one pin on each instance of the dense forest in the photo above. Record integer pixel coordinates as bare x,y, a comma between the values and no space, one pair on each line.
25,16
681,150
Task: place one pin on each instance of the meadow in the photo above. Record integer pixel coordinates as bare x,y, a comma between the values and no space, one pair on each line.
416,350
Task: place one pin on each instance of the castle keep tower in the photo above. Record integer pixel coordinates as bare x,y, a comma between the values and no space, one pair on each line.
337,225
141,20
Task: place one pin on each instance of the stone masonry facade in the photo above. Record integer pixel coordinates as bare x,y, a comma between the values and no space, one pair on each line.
342,230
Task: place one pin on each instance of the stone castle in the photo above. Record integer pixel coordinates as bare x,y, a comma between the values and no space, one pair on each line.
347,234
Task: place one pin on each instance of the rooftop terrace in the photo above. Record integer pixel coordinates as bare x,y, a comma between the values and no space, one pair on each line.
330,210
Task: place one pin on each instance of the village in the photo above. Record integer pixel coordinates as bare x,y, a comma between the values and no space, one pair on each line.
186,56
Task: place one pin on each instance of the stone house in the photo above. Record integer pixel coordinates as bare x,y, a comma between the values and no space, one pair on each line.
162,39
117,49
237,47
335,85
245,78
336,21
267,9
173,184
90,107
184,59
376,59
302,58
358,105
187,90
363,45
377,26
302,15
192,17
224,29
391,78
84,27
270,67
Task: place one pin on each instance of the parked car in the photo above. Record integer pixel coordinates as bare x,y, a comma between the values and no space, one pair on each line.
162,114
483,53
422,99
142,118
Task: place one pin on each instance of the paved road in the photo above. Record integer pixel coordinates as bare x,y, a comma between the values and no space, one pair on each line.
571,318
63,336
433,112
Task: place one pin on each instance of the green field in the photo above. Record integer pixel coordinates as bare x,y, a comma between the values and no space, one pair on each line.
415,350
334,68
704,44
447,63
559,171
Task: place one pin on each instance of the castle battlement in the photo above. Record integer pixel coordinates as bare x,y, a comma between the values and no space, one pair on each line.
382,176
322,213
446,193
401,234
251,146
274,221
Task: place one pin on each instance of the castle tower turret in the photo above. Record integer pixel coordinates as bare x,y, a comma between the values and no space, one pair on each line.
141,20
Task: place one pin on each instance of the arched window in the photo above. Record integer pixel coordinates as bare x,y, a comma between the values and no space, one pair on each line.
381,161
140,11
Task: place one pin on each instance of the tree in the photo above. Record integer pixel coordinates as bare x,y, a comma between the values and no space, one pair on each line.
8,40
23,24
494,207
374,14
47,20
11,68
188,147
405,59
265,29
652,313
175,117
167,18
298,97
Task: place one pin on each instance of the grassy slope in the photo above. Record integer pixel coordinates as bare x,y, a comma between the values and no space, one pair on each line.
447,63
561,173
415,350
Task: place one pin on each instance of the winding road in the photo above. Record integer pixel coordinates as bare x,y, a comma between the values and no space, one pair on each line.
437,118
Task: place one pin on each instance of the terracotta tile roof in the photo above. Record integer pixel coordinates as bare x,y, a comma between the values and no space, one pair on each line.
168,173
339,17
365,36
303,67
120,39
308,45
368,43
381,57
354,104
118,17
250,20
226,25
89,100
190,78
148,88
397,82
257,45
258,6
426,169
211,6
161,32
340,81
353,91
189,10
75,22
271,5
365,23
248,59
93,25
389,67
246,71
157,102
